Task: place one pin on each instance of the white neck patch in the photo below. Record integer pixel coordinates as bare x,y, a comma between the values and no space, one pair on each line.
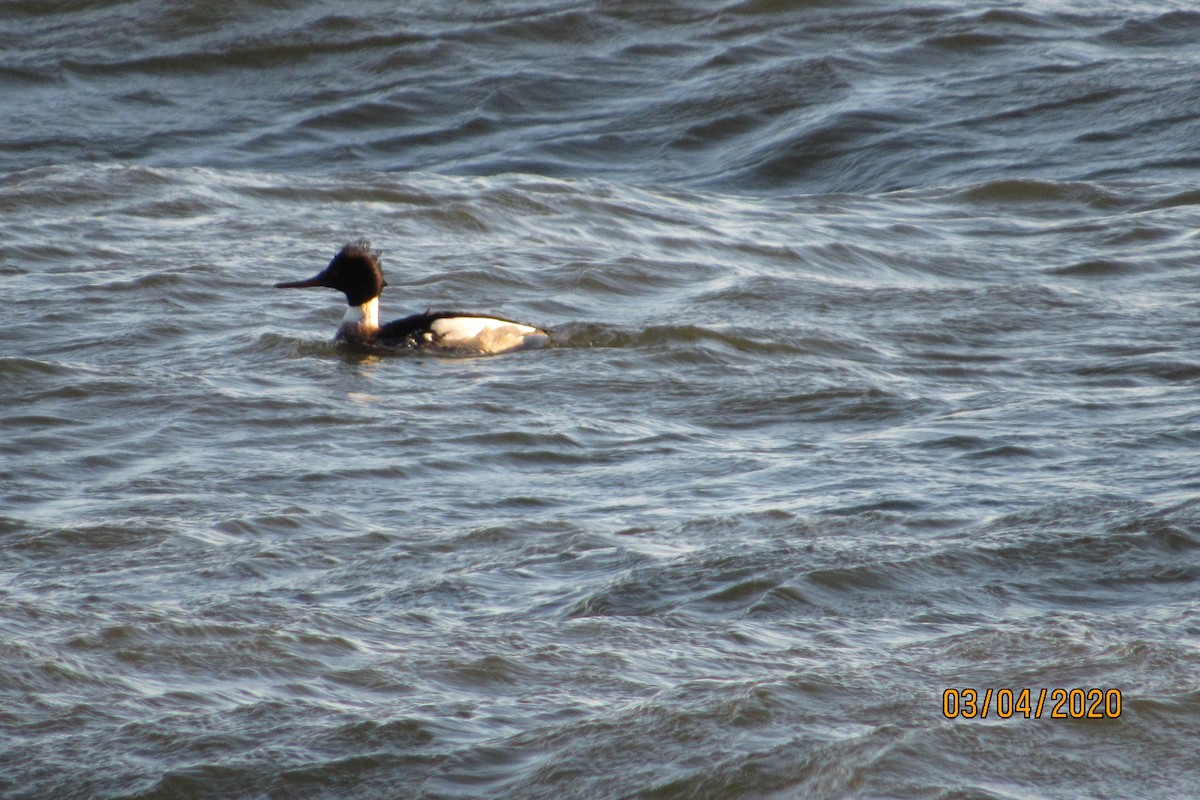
360,322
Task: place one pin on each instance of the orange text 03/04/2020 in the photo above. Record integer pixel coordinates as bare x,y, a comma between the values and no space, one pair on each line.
1031,703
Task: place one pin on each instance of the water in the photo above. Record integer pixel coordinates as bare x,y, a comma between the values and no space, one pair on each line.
874,376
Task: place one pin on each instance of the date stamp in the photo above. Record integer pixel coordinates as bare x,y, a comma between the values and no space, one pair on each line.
1031,703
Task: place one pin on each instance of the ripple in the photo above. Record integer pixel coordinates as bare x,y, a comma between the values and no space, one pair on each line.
874,374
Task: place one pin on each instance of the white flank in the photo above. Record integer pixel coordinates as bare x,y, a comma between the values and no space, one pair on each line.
484,334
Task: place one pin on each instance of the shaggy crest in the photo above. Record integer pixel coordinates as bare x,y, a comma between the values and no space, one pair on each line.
355,270
362,248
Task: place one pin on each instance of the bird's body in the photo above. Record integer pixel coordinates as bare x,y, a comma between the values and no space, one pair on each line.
355,272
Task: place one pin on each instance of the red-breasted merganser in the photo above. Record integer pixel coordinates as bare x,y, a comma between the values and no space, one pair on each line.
355,271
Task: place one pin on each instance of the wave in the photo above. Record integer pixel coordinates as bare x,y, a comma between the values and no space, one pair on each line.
748,97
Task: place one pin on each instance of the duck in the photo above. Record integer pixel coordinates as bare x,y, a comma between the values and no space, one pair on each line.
356,272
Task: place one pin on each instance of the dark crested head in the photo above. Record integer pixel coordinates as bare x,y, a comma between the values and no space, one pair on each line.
354,271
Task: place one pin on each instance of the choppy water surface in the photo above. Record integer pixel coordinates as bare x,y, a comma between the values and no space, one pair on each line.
874,374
